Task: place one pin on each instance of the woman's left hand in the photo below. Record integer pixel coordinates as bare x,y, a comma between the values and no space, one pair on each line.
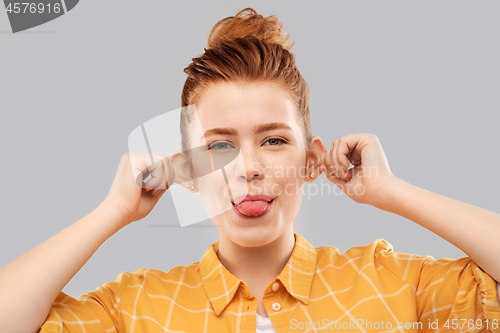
366,181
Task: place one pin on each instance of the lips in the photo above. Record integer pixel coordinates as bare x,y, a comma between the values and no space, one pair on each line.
259,197
253,206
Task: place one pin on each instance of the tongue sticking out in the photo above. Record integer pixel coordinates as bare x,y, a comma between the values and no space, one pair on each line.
252,208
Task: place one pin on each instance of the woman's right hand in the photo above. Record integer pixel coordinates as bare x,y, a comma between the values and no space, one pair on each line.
129,194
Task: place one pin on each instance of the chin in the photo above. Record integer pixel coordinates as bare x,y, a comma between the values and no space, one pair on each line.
253,237
253,232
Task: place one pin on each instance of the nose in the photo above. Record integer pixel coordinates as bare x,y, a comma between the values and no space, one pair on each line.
253,169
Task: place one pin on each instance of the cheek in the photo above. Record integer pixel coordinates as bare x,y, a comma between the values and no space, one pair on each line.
290,188
214,194
287,180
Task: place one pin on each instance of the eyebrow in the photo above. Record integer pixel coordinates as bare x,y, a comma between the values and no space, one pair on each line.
256,129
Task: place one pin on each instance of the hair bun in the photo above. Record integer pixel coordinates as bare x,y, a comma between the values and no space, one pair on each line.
248,22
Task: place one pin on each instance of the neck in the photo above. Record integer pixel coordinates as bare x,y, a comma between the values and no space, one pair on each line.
257,265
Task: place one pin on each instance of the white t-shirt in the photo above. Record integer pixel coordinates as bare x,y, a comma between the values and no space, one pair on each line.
264,325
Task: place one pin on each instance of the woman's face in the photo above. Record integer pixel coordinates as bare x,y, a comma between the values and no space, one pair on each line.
271,162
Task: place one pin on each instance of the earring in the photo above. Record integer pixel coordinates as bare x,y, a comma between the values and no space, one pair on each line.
190,186
311,175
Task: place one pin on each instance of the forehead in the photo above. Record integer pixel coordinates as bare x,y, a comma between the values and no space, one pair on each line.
244,105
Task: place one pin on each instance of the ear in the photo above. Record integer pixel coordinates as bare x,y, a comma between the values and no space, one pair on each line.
315,159
182,169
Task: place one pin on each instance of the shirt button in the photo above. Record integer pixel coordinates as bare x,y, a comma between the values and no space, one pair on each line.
276,286
276,306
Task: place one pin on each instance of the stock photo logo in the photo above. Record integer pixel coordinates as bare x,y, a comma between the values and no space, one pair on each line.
26,15
161,136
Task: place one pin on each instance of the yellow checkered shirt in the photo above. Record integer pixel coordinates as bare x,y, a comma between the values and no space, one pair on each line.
367,289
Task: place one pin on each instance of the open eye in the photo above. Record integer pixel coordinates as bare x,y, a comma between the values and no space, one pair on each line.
224,145
276,140
220,145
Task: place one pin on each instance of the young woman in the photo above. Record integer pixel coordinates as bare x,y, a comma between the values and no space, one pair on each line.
249,98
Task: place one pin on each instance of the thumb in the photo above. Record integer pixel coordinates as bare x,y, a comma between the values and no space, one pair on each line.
340,183
158,193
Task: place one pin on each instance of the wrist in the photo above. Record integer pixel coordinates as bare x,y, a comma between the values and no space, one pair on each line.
114,214
387,196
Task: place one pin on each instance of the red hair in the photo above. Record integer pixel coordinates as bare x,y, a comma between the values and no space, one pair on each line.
246,47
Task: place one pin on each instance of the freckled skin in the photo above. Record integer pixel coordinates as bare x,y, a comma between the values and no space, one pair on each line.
241,107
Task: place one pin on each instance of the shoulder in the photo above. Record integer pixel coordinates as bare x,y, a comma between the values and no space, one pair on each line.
154,286
153,278
379,249
379,255
370,252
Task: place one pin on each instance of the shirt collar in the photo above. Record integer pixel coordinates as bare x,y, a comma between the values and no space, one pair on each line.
296,276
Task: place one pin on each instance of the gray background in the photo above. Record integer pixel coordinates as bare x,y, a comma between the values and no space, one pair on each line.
422,75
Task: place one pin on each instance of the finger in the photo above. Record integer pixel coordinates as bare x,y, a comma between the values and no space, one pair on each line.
140,162
158,192
338,167
136,166
356,142
330,170
141,165
355,159
349,174
322,169
163,185
158,176
339,182
349,156
343,150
